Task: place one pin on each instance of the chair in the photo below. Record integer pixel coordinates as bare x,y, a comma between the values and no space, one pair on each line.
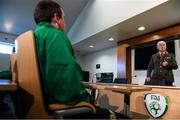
120,80
29,99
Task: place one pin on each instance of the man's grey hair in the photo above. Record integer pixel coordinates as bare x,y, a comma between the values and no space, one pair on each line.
161,42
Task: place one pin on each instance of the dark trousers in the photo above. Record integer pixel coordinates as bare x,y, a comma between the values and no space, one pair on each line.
101,113
161,82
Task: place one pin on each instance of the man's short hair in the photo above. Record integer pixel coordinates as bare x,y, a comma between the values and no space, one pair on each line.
45,9
161,42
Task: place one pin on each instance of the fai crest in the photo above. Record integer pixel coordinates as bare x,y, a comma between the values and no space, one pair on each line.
156,104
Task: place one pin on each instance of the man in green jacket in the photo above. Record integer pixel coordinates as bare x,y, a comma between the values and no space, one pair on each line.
60,73
159,71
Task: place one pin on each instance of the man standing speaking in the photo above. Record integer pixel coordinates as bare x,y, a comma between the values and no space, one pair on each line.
159,71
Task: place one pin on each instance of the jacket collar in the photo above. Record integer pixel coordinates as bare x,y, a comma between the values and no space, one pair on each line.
159,54
44,24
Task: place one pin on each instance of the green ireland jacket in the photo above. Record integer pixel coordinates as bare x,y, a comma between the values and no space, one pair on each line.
155,69
60,73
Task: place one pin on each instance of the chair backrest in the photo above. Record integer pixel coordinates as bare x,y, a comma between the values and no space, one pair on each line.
120,80
29,99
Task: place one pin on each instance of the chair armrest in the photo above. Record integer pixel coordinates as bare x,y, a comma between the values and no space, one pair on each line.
70,112
54,107
62,110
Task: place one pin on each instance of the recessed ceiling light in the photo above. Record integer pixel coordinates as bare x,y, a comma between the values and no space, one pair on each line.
156,36
8,25
141,28
91,46
111,39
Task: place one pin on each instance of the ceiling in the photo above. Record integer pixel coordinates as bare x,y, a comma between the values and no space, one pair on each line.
162,16
20,13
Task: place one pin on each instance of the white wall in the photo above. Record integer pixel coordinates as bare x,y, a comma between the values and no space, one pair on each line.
99,15
177,72
141,74
80,60
106,58
4,61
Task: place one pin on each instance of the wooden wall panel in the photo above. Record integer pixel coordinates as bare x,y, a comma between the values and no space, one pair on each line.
114,101
121,61
128,65
137,102
111,100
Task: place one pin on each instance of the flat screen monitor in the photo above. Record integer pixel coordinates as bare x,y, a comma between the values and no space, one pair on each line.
104,77
86,76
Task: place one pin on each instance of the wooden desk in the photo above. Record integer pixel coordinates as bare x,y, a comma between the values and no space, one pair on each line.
125,89
7,85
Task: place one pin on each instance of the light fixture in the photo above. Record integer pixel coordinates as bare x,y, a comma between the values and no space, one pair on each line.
8,25
111,39
156,37
91,46
141,28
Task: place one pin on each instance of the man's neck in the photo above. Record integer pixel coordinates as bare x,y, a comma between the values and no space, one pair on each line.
162,53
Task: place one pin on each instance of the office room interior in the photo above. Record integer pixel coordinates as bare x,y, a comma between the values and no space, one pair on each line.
97,29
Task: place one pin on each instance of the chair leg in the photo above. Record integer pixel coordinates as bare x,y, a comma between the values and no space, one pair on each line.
57,116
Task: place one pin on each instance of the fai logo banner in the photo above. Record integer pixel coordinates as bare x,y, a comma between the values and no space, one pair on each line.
156,104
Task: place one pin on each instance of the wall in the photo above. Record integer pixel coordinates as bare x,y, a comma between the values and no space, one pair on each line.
4,61
176,72
98,15
141,75
80,60
106,58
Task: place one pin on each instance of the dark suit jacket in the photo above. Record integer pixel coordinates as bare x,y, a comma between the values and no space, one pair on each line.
155,69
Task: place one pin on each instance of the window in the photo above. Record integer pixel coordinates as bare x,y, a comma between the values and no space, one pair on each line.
6,48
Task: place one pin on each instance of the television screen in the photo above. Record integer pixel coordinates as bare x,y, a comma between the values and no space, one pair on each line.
86,76
143,54
104,77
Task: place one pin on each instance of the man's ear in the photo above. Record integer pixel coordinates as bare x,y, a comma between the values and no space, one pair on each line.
56,17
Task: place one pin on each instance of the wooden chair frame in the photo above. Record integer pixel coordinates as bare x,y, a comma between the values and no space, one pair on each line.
29,98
